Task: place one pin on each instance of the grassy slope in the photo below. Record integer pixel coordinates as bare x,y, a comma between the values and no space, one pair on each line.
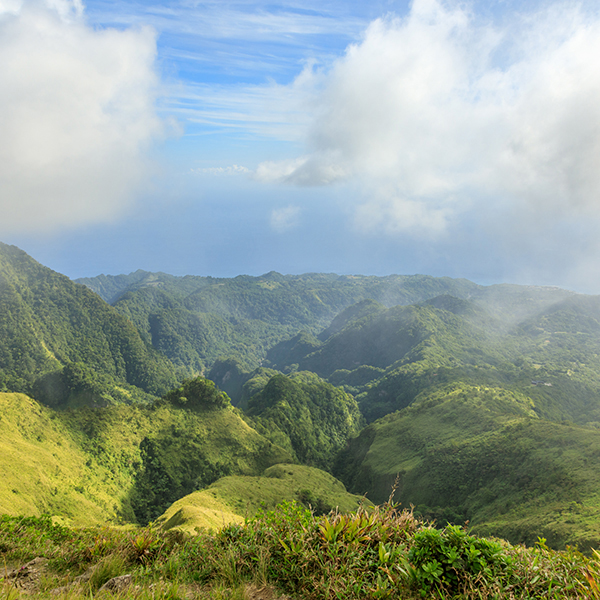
43,467
231,499
481,454
85,464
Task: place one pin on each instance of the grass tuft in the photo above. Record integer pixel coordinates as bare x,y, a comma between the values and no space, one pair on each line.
381,553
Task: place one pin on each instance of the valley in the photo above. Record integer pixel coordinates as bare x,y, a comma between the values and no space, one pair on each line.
180,400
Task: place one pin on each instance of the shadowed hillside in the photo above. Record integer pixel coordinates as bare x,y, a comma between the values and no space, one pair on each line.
63,344
480,454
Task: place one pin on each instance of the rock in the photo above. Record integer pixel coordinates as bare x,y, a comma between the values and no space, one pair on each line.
84,576
27,577
117,584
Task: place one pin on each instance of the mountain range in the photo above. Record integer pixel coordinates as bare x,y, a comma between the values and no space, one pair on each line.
480,403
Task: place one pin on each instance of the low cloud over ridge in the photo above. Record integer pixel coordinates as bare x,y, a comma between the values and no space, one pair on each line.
77,116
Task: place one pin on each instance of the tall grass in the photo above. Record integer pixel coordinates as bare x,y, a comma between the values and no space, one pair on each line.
383,553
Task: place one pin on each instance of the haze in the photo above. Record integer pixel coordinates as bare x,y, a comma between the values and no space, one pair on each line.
220,138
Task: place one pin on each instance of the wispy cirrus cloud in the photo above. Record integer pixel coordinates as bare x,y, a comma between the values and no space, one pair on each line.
271,111
242,39
232,67
237,20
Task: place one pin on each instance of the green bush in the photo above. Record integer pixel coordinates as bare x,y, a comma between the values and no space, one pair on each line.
195,394
444,559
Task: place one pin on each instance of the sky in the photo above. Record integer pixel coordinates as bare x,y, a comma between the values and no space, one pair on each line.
220,138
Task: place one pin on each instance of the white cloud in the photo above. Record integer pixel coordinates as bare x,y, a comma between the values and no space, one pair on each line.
284,219
438,113
393,214
76,117
231,170
68,10
10,7
306,170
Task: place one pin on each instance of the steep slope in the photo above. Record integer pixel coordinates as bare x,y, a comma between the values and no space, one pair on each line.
383,338
387,356
45,470
480,454
123,462
306,415
65,345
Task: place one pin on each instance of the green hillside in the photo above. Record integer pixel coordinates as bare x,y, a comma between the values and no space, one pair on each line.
306,415
234,498
122,463
480,454
44,468
63,344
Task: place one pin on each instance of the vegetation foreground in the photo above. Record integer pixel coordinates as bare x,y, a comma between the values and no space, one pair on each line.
287,552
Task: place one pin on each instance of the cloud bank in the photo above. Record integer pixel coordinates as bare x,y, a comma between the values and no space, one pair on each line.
440,113
76,116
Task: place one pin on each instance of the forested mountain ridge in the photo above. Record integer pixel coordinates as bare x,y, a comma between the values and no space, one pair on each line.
62,342
484,400
387,357
196,320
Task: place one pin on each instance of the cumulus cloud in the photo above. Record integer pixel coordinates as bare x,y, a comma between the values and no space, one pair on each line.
76,116
438,112
393,214
284,219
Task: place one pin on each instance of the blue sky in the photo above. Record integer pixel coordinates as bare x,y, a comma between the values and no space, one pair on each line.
221,138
